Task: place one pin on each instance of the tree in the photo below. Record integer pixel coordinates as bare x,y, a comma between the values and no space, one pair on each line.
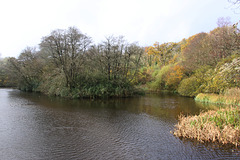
223,22
162,52
116,59
235,2
68,65
29,68
208,48
196,52
5,76
66,49
147,59
223,40
174,76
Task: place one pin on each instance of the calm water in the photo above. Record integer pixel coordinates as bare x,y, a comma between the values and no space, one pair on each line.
33,126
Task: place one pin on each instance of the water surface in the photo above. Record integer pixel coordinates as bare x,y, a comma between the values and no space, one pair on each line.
33,126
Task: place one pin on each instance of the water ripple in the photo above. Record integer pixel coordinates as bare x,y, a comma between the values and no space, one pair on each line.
37,127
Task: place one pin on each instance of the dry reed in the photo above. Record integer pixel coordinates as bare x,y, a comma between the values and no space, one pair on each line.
229,97
213,126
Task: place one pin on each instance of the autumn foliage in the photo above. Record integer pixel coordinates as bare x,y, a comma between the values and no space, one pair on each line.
204,62
68,63
174,76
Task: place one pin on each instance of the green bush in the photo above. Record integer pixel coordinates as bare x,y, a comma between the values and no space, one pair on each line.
53,84
188,86
225,75
101,87
144,76
160,80
215,80
219,98
30,85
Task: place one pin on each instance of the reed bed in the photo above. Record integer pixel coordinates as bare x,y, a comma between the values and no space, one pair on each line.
212,126
229,97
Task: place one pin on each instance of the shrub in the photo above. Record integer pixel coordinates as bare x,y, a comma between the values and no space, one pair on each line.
53,84
225,76
160,80
219,99
188,87
143,76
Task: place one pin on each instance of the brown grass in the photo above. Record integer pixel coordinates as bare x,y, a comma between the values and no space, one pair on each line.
230,97
213,126
233,92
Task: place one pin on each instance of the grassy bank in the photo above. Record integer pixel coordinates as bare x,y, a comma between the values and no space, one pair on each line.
230,97
213,126
219,125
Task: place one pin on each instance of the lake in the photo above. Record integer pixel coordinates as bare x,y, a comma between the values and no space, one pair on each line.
34,126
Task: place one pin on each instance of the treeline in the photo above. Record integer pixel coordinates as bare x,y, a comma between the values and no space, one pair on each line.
68,64
6,78
203,63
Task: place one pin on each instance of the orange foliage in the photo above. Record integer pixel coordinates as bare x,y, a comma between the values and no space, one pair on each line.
174,76
174,59
162,52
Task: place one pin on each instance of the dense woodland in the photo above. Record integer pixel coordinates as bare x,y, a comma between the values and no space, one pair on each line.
203,63
68,64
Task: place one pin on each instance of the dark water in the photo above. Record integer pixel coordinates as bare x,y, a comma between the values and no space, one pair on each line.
33,126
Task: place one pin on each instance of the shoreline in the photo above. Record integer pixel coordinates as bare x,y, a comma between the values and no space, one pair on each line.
218,99
220,125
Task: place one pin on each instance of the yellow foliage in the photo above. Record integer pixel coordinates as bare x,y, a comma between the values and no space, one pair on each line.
175,76
162,52
174,59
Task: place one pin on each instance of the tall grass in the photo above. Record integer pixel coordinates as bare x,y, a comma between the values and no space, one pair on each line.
229,97
232,92
213,126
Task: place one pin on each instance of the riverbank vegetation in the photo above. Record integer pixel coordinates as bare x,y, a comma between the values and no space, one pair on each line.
67,63
206,66
6,78
212,126
230,97
203,63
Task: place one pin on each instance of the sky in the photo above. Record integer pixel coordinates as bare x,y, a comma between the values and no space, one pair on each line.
23,23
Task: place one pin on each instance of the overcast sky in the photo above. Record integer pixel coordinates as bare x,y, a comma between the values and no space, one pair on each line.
25,22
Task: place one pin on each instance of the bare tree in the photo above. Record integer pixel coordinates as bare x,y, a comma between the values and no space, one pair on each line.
116,59
196,52
28,67
224,22
235,5
66,49
234,2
